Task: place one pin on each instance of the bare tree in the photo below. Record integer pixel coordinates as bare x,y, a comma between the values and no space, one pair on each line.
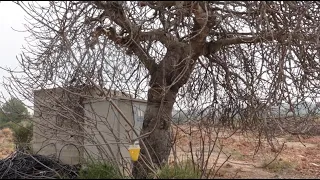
234,60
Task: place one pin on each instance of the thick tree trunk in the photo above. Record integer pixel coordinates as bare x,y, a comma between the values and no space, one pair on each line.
170,75
157,121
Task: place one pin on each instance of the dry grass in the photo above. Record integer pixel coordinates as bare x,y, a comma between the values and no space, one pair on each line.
7,132
295,159
299,160
6,143
278,165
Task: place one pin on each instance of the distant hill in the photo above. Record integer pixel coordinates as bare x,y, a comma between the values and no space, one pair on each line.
301,109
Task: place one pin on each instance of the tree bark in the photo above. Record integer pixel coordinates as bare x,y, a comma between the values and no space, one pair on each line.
169,76
157,120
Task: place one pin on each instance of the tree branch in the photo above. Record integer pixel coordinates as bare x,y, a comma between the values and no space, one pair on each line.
115,12
166,39
214,46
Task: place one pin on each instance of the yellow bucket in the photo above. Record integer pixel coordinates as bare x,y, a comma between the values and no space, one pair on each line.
134,151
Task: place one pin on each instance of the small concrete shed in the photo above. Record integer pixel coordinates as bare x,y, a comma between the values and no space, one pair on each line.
78,124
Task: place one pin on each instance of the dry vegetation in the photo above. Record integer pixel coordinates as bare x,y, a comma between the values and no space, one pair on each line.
297,158
6,143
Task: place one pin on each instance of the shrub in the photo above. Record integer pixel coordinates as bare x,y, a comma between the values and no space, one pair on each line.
237,155
183,170
7,132
278,165
6,125
22,134
99,170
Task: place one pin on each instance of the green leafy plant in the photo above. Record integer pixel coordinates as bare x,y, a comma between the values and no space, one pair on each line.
183,170
22,134
100,170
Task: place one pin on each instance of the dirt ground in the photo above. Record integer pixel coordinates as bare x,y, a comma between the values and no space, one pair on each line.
295,157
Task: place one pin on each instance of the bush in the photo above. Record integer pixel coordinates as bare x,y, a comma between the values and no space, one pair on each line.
278,165
184,170
100,170
22,133
6,132
6,125
237,155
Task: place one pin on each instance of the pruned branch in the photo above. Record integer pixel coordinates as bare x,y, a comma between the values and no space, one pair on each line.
215,46
281,37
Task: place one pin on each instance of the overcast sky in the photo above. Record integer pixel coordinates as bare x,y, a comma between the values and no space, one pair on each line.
11,41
